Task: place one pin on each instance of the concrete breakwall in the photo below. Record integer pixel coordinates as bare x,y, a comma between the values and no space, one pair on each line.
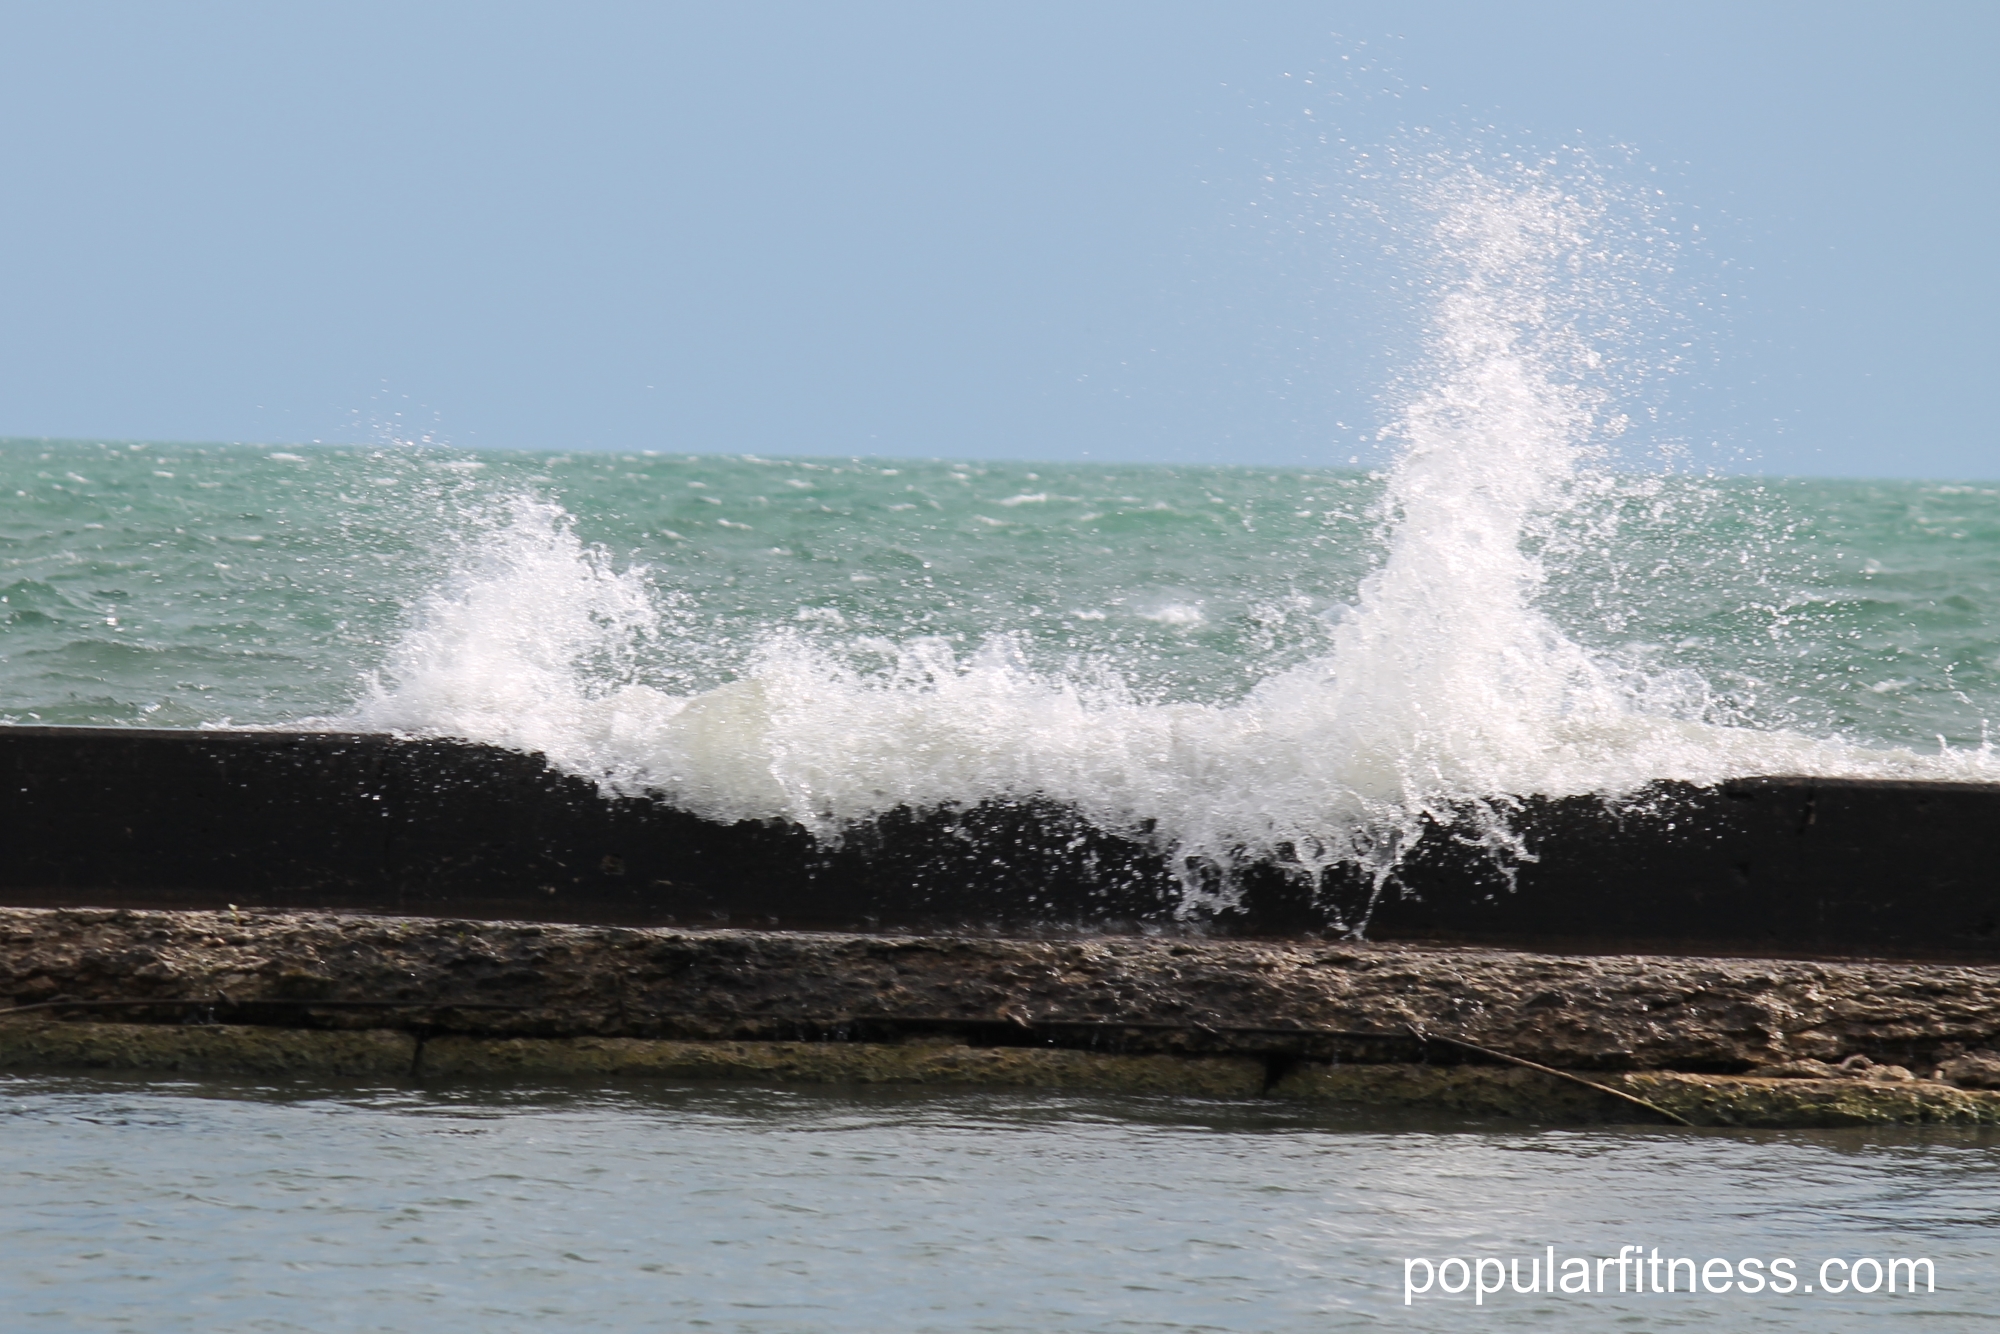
1710,1041
369,822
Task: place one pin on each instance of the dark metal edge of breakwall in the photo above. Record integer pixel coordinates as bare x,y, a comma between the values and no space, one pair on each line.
364,821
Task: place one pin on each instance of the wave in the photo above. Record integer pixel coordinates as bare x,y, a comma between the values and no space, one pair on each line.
1444,694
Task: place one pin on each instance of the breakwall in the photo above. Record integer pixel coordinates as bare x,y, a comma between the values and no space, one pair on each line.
1772,865
1631,1038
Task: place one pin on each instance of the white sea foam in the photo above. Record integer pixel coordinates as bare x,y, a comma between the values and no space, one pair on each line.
1444,690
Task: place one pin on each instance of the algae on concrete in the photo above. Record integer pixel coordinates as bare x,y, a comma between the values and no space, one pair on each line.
207,1049
1705,1100
1750,1101
1469,1090
846,1063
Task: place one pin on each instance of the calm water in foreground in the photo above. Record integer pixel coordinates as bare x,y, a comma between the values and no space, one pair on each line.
235,1206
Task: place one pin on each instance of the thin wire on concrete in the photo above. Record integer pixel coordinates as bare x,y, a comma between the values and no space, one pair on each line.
1633,1098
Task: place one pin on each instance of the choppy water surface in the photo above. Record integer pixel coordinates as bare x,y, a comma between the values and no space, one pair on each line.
237,1207
180,585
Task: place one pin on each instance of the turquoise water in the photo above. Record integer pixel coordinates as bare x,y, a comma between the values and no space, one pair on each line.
261,590
175,585
213,1207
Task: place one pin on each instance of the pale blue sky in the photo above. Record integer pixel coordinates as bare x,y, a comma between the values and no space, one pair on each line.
1003,230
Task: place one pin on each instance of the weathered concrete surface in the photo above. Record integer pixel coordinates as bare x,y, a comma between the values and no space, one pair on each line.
1599,1013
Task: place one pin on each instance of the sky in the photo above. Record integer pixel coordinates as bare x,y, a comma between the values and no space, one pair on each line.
1021,230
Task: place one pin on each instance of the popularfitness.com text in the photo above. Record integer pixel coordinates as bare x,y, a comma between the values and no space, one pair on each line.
1636,1269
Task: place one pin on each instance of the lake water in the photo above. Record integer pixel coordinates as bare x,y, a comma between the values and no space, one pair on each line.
234,1206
